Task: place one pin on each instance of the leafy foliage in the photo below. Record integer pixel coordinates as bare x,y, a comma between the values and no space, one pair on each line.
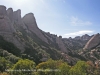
50,67
53,67
65,68
79,69
8,56
4,64
24,67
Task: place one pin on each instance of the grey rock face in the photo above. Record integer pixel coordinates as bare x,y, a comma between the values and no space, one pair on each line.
2,11
94,41
61,44
29,19
30,22
17,15
77,38
85,37
6,26
5,23
10,14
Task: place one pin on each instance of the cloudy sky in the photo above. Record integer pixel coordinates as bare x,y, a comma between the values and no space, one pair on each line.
68,18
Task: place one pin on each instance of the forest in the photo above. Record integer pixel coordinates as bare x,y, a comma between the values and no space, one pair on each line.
20,66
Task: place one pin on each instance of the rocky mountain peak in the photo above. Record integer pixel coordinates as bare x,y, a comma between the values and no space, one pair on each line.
77,38
9,10
85,37
2,11
5,23
10,13
60,37
93,42
17,15
30,22
30,19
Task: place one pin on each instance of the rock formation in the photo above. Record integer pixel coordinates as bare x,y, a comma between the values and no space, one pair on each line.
93,42
30,22
10,14
5,23
85,37
7,28
2,11
26,35
61,44
17,15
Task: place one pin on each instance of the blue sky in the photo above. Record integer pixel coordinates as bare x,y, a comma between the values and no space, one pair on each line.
68,18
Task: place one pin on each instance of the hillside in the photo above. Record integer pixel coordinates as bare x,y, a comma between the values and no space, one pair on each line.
22,37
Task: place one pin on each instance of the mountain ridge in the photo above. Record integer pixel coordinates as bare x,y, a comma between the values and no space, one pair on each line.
39,45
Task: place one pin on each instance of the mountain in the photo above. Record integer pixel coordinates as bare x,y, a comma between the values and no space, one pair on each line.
76,43
24,34
91,50
93,42
22,37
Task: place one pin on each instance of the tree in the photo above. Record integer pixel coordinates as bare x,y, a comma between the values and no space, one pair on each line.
4,64
64,69
79,69
24,67
50,67
53,67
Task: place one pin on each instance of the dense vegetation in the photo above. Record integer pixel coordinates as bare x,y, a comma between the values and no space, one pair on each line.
50,67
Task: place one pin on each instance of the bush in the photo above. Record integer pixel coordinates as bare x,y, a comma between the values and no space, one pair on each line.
23,67
4,64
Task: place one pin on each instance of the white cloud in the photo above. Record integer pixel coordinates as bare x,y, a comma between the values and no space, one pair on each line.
77,22
79,33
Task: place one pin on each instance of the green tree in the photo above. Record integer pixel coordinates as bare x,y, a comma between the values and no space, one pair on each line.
53,67
64,69
4,64
79,69
50,67
24,67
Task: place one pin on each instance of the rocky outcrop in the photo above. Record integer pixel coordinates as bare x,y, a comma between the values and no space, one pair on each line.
7,29
61,44
11,22
2,11
93,42
85,37
5,23
17,15
77,38
10,14
30,22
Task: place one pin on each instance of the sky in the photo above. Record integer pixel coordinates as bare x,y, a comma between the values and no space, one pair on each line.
68,18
